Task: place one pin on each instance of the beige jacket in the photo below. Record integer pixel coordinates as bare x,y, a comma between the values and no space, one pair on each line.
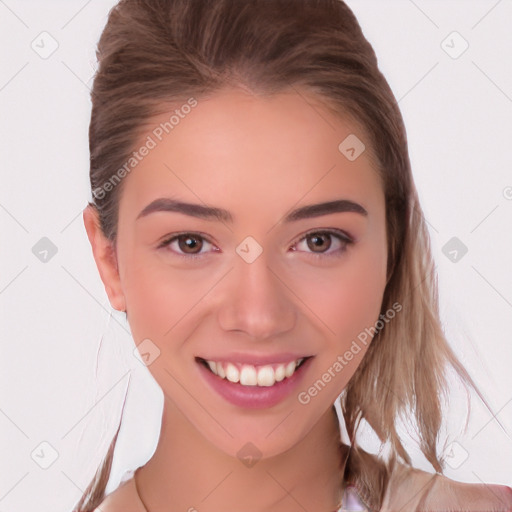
413,490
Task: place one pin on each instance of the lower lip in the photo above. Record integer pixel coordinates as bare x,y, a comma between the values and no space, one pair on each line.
254,397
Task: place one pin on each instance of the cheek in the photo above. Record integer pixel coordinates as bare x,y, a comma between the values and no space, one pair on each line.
348,299
349,308
347,303
159,298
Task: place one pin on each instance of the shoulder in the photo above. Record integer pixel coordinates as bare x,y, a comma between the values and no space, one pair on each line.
123,499
416,490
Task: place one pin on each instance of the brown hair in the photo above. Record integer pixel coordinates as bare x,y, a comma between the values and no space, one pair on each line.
154,54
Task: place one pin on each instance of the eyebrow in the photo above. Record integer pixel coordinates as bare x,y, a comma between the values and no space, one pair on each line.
165,204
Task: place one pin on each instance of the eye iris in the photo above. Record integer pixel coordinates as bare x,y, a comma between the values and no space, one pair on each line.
187,242
318,245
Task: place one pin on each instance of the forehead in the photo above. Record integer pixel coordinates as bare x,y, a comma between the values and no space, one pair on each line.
251,150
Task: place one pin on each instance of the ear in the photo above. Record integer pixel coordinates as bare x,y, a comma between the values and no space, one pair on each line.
105,256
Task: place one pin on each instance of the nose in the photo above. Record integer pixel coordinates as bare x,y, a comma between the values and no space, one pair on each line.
257,301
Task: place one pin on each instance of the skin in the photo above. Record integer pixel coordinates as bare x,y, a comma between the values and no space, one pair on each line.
258,157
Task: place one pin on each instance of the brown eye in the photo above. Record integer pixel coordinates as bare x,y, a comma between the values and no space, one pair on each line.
323,244
190,244
319,242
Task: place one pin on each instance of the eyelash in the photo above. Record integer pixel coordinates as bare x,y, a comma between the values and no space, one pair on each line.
345,239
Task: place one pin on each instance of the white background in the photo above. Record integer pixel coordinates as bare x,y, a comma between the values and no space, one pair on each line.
458,115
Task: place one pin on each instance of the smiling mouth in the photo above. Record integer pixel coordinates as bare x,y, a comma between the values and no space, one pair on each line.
253,375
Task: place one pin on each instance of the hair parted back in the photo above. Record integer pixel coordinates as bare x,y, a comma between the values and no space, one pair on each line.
157,53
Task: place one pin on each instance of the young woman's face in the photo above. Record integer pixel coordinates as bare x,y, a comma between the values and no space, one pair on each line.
249,283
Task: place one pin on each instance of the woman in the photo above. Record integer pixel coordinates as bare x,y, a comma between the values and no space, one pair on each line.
230,142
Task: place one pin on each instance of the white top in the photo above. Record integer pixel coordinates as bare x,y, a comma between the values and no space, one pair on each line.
350,501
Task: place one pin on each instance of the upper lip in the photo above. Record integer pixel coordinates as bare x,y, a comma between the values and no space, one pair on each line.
256,359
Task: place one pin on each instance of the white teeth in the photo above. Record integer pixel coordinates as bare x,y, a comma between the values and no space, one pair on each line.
279,373
249,375
232,373
266,376
290,368
220,371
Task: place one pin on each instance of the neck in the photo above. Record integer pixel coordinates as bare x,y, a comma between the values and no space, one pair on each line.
188,473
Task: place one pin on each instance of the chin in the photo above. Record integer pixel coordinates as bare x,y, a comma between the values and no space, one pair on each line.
256,443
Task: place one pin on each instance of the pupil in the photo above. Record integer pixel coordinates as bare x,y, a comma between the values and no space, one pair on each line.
317,242
189,243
